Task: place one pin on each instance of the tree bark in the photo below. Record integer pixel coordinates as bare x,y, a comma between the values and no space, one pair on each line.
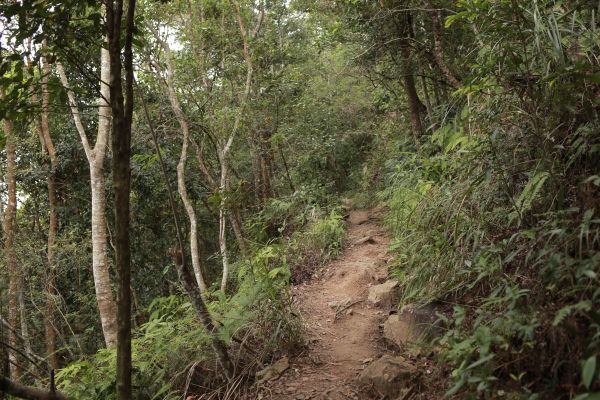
121,102
439,51
223,150
234,219
426,95
95,156
183,194
223,227
414,103
236,223
185,277
9,250
24,327
28,392
52,220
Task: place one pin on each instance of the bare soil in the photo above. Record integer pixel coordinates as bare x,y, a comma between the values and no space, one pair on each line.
342,330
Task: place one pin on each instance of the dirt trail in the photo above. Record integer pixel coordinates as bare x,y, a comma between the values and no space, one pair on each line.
341,327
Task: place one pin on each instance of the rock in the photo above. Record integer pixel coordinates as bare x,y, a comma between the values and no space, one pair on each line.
377,272
273,371
389,375
413,324
359,217
333,304
366,239
383,295
349,311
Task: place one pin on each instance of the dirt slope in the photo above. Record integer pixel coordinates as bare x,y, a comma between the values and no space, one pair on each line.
342,329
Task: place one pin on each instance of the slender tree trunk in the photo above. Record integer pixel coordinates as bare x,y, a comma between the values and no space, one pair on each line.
287,170
223,150
121,102
439,51
222,224
24,327
9,250
102,280
256,172
236,223
187,203
426,94
95,156
414,103
52,220
234,217
185,277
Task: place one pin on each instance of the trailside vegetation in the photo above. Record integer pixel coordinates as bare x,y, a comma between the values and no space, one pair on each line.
188,161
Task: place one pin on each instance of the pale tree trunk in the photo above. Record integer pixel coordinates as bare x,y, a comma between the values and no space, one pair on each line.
95,156
185,277
183,194
52,220
223,151
234,218
24,327
9,250
223,225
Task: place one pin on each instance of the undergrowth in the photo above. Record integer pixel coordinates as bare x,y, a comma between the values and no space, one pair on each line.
518,265
495,216
171,352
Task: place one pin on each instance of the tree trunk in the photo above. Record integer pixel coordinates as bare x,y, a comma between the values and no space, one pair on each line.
102,281
28,392
181,188
222,224
52,219
414,103
95,156
426,94
256,173
121,102
439,51
185,277
236,223
24,327
9,250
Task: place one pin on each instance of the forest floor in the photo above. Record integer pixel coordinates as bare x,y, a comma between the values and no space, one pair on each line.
342,329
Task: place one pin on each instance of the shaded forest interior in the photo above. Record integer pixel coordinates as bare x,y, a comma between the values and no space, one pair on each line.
170,169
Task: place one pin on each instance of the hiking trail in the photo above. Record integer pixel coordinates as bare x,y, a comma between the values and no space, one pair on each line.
342,328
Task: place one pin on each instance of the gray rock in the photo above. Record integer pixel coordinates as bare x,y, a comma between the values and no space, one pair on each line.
389,375
383,295
273,371
377,271
413,324
366,239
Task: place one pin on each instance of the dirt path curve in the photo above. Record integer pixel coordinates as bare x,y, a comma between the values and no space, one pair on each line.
341,327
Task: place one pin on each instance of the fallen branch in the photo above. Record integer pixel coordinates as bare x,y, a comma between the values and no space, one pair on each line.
28,392
340,309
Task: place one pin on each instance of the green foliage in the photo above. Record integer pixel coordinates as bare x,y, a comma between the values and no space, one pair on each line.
173,345
497,210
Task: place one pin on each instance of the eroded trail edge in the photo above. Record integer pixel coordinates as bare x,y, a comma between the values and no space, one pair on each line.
342,328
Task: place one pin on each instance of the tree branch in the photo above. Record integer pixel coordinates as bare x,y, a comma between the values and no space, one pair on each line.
28,392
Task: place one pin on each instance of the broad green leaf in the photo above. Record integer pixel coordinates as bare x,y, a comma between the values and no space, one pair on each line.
587,372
